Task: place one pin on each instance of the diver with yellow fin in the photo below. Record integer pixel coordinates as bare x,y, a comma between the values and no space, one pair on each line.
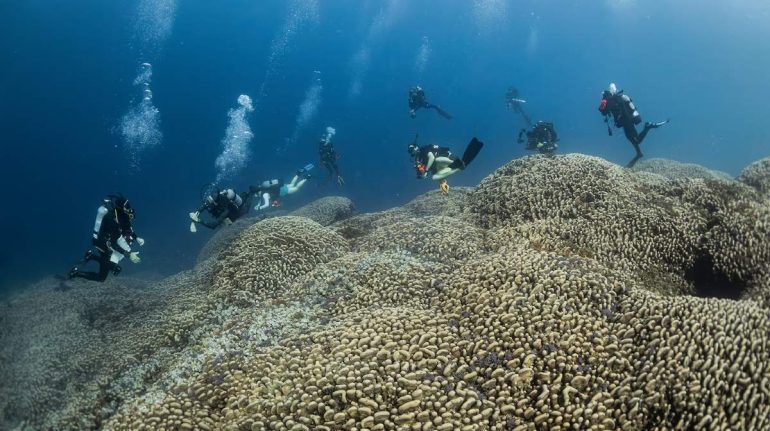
440,162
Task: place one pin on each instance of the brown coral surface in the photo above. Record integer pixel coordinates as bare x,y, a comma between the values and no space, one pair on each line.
561,293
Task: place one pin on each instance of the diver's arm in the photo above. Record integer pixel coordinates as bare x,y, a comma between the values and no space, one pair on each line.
100,213
265,202
431,160
122,246
222,217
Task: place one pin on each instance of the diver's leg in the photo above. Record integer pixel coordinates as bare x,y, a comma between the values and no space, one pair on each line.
636,158
644,133
92,276
445,172
294,186
104,263
631,134
335,168
648,127
105,266
634,138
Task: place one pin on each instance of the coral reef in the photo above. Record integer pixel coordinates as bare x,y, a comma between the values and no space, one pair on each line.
561,293
757,175
224,236
661,230
324,211
674,170
328,210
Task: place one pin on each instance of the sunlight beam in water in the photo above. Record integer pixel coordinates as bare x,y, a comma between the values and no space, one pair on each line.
423,56
382,23
308,110
301,14
490,15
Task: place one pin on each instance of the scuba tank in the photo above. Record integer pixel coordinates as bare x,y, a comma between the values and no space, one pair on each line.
630,109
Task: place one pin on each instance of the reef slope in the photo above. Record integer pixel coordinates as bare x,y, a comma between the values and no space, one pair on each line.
561,293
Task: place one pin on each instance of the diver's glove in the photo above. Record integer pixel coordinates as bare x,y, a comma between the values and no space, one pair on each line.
134,256
195,216
140,241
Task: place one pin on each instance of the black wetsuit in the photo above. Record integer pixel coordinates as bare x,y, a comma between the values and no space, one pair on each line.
625,116
114,234
514,103
541,138
329,158
223,208
417,99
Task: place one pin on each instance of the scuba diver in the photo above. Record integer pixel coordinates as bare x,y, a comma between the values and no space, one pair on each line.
618,105
225,206
516,103
542,138
270,191
112,239
329,156
440,162
417,100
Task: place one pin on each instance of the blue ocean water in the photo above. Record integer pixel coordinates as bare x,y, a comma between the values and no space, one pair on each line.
69,68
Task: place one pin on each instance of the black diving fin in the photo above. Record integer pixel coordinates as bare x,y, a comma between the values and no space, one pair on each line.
471,151
442,112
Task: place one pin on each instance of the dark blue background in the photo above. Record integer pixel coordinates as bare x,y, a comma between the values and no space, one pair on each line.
68,68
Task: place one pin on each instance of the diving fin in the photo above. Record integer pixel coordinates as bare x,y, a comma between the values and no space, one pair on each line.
442,112
193,228
656,125
471,151
305,171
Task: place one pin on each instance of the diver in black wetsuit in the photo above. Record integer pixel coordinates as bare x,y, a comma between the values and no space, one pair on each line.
618,105
516,103
329,157
542,138
417,100
440,162
112,239
225,206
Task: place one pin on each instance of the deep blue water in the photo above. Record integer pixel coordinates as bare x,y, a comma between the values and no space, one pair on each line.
68,68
